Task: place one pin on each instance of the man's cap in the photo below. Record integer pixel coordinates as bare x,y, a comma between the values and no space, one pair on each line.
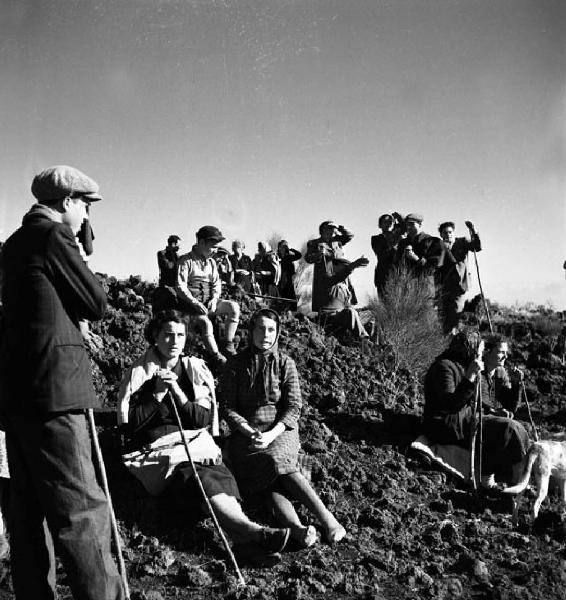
209,232
60,181
416,217
324,224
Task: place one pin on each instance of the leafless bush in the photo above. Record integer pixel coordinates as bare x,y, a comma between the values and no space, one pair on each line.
407,321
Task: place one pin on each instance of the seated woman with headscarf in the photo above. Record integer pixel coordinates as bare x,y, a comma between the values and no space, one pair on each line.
450,388
261,398
160,381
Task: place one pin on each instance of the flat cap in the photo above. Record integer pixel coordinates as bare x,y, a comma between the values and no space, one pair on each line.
60,181
209,232
416,217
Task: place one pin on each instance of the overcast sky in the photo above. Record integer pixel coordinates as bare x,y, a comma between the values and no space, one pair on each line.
264,116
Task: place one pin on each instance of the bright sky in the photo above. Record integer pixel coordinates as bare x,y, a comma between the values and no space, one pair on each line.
264,116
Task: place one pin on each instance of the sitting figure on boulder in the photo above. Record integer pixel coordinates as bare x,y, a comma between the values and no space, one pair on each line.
199,290
450,389
164,376
261,398
333,295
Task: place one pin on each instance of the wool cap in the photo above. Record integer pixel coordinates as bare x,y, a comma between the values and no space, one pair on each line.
209,232
60,181
414,217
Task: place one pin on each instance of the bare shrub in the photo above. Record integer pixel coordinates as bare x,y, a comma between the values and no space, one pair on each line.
407,322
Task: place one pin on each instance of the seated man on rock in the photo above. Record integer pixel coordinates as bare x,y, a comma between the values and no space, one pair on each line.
199,288
336,311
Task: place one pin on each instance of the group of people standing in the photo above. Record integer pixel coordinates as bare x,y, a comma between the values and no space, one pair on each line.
441,262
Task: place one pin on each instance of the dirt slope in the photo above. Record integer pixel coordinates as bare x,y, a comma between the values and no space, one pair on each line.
413,532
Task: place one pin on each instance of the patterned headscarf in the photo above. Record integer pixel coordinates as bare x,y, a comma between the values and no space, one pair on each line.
265,363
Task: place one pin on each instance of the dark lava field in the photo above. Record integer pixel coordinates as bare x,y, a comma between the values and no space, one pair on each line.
413,531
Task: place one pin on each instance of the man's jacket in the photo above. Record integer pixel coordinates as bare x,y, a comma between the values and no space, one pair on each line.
47,289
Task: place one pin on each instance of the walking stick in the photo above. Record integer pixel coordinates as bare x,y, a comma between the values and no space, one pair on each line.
472,232
529,411
475,427
241,580
104,479
265,297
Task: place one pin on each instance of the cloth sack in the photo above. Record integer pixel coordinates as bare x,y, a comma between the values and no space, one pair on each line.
154,464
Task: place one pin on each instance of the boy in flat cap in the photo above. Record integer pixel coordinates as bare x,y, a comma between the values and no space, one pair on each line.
420,252
45,390
199,290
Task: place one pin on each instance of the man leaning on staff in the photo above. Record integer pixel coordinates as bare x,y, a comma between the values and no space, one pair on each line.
45,390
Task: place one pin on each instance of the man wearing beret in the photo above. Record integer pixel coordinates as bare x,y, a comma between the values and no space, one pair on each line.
45,390
420,252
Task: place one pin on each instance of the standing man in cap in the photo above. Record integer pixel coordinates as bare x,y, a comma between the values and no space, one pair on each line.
453,277
322,252
199,290
45,390
384,246
420,252
165,295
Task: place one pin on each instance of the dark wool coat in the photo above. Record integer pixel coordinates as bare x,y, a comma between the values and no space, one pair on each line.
429,249
448,415
47,289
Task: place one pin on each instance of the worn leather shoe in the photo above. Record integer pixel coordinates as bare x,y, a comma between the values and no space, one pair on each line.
252,554
274,540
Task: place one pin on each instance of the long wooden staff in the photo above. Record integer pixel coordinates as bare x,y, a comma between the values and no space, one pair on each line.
529,411
475,426
472,232
241,580
104,481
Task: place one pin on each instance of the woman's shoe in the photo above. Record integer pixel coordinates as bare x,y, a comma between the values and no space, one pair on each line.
274,540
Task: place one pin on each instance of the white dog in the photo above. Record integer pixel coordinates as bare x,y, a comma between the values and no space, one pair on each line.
544,460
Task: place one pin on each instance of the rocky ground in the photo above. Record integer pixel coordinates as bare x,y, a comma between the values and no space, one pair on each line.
413,532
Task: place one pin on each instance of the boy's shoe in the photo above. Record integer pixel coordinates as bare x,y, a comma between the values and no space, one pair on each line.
252,554
274,540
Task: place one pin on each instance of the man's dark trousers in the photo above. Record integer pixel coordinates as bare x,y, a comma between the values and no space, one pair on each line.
57,499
